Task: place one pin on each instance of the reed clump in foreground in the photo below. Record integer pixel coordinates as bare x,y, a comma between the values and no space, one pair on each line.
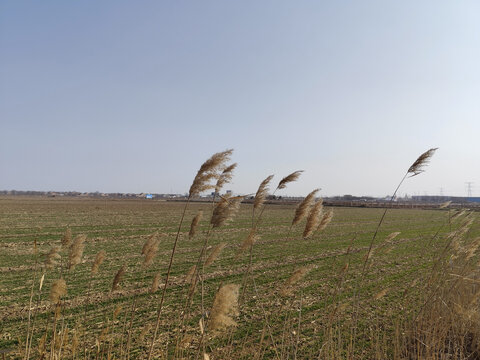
328,304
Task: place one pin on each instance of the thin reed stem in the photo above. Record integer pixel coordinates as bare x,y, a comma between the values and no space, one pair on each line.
167,278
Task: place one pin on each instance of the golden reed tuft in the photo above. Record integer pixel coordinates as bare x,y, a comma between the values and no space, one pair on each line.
299,274
76,251
58,290
248,242
288,179
149,243
304,206
445,204
116,312
155,283
52,257
225,177
214,254
150,249
313,219
225,210
224,308
262,192
98,261
392,236
421,162
326,219
118,277
67,238
208,172
194,224
380,294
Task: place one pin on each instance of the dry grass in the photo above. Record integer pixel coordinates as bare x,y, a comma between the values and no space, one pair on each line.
301,297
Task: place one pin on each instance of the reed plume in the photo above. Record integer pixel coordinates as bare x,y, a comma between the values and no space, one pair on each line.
149,243
98,261
194,224
225,177
327,217
58,290
150,249
201,182
116,312
445,204
297,275
52,257
262,192
304,206
214,254
313,219
225,210
118,277
392,236
67,238
155,283
380,294
288,179
208,172
76,251
248,242
422,161
225,307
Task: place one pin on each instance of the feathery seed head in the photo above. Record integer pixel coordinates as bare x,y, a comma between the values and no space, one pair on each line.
67,237
155,283
98,261
225,308
248,242
381,294
58,290
149,243
304,206
297,275
116,312
445,204
76,251
118,277
150,249
422,161
288,179
313,219
225,210
225,177
52,257
262,191
327,217
392,236
208,171
214,254
194,225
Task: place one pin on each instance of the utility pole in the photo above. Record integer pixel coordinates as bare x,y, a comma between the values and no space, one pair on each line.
469,185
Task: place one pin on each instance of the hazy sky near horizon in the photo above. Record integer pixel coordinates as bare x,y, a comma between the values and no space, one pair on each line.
132,96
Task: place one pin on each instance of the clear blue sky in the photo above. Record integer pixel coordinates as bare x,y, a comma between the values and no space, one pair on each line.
133,96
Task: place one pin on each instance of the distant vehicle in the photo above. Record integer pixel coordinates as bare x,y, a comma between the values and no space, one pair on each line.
149,196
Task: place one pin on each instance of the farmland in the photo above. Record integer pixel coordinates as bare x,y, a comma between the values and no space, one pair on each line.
270,322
